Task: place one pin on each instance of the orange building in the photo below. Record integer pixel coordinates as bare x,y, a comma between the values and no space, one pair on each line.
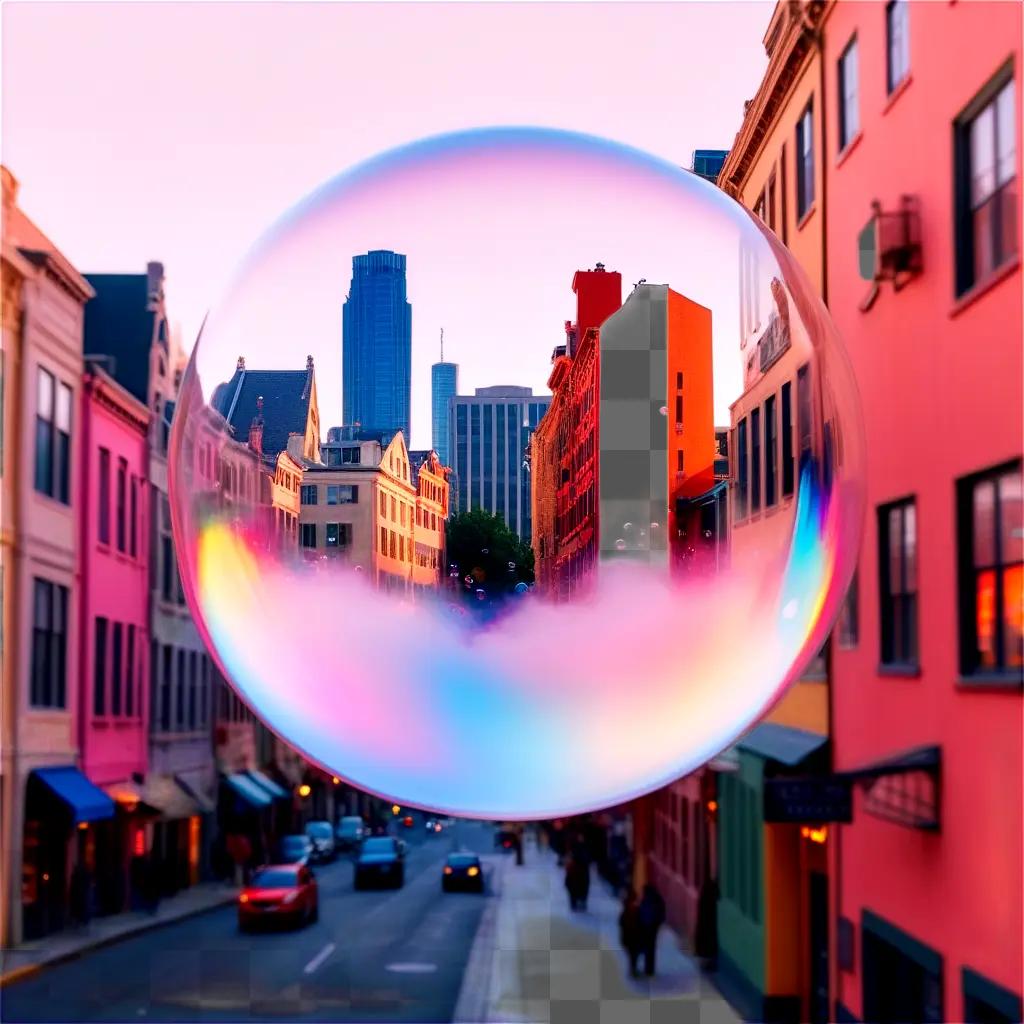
430,479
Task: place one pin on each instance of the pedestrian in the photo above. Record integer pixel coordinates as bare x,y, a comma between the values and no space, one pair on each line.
81,895
706,938
629,930
581,861
517,844
651,916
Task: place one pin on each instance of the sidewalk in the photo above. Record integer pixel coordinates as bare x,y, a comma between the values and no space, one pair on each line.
30,957
534,960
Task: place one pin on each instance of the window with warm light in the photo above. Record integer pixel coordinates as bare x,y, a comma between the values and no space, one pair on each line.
991,549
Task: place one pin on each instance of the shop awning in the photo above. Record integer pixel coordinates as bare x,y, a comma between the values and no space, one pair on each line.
252,793
782,743
903,788
87,801
203,802
163,793
267,783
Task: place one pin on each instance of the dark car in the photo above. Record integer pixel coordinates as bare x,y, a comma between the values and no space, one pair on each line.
350,832
505,839
281,893
462,871
322,834
297,849
380,862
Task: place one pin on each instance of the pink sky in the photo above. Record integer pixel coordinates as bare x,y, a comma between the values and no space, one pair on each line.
179,132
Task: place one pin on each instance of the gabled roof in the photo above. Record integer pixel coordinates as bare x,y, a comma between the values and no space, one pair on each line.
286,396
119,324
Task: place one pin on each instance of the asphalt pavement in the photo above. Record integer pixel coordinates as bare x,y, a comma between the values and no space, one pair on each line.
376,955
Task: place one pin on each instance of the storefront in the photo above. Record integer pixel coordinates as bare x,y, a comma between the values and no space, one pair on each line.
62,810
177,841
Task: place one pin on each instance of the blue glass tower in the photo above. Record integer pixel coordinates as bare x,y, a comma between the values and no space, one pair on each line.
444,384
376,366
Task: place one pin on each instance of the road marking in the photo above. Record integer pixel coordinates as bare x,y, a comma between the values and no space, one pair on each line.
319,958
411,968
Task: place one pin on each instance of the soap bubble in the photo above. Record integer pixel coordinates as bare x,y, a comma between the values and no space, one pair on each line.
630,665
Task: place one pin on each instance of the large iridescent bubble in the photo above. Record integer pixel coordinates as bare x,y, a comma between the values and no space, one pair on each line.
677,593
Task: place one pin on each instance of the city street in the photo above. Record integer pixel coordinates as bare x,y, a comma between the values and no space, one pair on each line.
395,955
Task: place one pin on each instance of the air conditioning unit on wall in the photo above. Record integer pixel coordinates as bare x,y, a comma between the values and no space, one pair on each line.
889,247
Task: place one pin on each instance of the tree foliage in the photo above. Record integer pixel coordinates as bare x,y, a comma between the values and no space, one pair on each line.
481,545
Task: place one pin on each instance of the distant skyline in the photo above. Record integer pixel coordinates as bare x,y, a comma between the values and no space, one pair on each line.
150,163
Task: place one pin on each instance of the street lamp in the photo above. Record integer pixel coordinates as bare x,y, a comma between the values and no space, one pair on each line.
304,790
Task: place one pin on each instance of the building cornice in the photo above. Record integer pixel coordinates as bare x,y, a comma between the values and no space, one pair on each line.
789,41
112,396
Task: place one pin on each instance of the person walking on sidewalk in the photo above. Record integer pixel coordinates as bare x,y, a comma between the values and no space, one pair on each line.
629,930
651,916
577,875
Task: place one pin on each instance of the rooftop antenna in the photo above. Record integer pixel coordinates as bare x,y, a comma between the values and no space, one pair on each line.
442,344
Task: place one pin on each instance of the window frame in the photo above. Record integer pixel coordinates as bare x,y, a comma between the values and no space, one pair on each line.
847,131
771,451
891,82
103,497
905,602
968,570
965,278
48,661
805,162
306,530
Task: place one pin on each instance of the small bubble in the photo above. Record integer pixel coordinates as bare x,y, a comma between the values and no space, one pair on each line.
654,526
511,565
620,545
627,527
663,410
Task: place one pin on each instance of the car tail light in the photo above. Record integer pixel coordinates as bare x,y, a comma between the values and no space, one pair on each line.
473,872
243,897
447,871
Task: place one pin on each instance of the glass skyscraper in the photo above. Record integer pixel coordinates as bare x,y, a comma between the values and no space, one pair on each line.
376,366
488,436
444,384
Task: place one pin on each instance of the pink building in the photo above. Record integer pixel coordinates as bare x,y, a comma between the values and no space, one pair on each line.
113,722
922,171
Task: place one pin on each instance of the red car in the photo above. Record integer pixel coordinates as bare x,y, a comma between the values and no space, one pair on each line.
279,893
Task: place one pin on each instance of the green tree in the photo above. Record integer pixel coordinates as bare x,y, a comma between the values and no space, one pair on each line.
482,546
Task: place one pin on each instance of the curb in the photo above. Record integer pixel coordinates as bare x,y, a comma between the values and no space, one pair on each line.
473,1002
17,974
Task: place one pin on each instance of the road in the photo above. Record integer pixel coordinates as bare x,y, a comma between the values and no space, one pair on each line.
389,955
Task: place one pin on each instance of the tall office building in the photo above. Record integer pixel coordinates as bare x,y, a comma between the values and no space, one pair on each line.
444,385
377,345
488,436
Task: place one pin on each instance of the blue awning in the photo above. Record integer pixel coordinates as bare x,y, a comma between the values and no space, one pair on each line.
251,793
87,802
782,743
267,783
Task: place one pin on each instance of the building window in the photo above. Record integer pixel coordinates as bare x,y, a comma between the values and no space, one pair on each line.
805,161
897,577
849,615
116,667
990,509
782,192
193,691
741,470
133,518
897,36
165,689
383,541
755,460
393,545
179,694
331,539
103,525
383,504
771,450
166,568
849,106
308,494
53,438
803,408
129,689
787,439
49,645
309,535
985,143
342,494
99,671
679,461
122,488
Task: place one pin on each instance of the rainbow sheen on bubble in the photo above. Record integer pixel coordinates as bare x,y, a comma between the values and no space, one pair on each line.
555,707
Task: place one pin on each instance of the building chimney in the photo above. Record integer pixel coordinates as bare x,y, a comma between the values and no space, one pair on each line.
256,428
154,284
309,362
240,365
